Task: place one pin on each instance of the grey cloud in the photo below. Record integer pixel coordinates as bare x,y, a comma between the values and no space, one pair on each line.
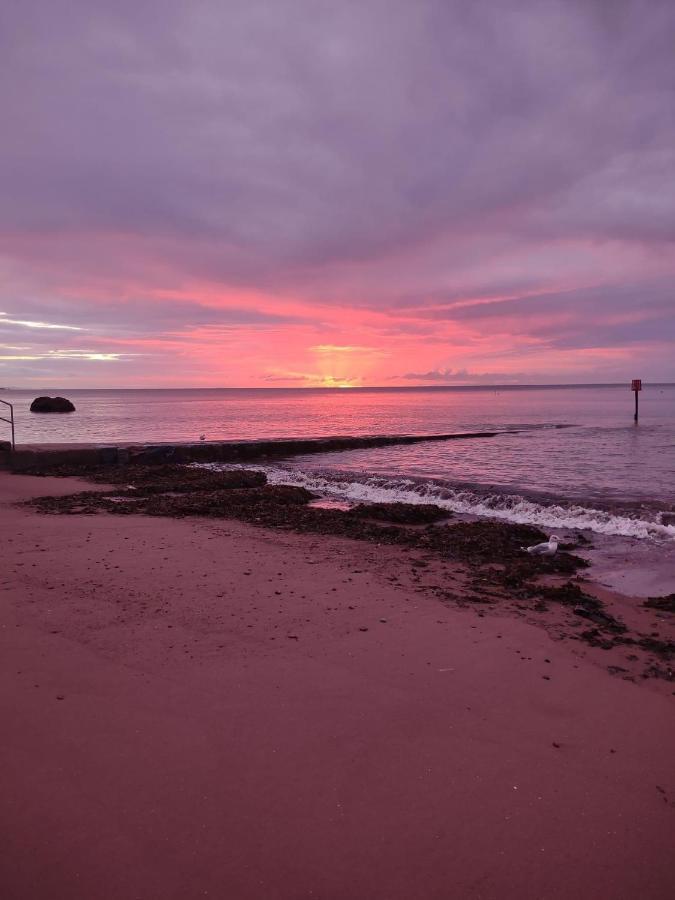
602,315
285,378
308,133
637,298
450,376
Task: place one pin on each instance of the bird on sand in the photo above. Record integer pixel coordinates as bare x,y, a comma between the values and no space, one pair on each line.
548,548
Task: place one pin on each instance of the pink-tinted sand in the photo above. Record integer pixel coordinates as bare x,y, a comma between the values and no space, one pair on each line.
192,709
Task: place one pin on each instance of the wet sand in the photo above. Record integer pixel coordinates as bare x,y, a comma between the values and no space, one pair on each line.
203,708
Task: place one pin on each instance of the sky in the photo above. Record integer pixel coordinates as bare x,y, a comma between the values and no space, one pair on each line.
358,192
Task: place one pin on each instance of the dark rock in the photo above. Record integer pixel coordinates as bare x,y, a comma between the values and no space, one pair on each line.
169,478
403,513
287,494
154,479
484,541
51,405
266,505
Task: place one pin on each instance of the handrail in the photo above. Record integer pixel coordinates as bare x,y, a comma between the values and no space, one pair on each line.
9,421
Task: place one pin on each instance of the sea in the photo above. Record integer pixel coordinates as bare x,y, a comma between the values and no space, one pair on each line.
565,458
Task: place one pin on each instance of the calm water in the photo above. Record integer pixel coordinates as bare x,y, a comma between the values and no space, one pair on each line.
600,461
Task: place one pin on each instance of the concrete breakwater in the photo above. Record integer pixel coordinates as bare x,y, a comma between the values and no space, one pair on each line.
45,456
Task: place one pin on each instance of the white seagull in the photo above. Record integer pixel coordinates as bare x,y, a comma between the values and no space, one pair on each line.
548,548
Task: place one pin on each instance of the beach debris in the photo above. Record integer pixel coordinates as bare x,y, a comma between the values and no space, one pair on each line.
594,638
583,605
663,604
654,671
582,611
616,670
547,548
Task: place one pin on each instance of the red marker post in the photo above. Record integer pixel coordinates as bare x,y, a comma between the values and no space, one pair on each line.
636,387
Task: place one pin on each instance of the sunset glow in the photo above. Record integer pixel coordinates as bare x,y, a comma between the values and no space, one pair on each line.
188,203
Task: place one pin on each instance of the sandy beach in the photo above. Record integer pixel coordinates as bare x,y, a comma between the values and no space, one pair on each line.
204,708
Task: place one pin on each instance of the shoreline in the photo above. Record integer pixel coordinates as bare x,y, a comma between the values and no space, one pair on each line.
563,513
487,553
205,705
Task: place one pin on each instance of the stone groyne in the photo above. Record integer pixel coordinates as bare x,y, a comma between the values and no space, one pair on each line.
44,456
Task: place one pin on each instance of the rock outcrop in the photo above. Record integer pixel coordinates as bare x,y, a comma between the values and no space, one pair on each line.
51,405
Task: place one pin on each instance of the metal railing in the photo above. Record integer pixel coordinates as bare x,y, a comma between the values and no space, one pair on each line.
9,421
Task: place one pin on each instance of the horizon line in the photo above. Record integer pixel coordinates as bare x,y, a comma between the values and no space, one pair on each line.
335,388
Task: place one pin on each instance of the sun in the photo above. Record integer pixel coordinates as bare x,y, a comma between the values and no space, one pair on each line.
331,382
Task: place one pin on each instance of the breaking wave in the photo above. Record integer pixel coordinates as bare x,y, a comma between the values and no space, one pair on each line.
643,523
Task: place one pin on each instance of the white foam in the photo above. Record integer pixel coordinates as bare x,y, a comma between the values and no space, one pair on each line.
509,507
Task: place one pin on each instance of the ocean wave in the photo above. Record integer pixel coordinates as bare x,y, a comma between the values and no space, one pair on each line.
471,501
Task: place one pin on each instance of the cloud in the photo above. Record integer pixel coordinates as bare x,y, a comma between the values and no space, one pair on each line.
463,376
140,316
179,170
27,323
594,316
334,348
286,379
90,355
